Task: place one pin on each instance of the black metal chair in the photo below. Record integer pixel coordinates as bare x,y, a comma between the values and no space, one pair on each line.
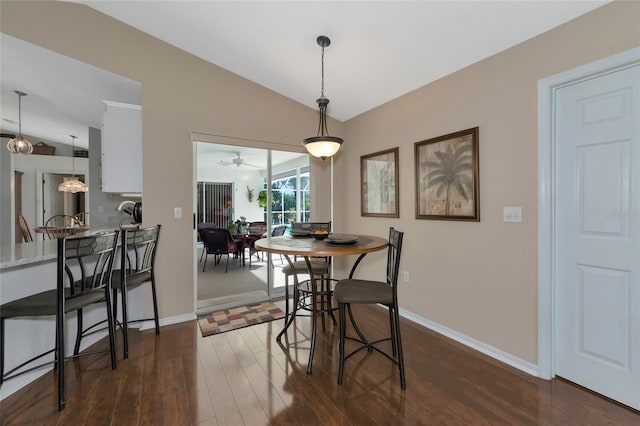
84,269
218,241
137,267
350,291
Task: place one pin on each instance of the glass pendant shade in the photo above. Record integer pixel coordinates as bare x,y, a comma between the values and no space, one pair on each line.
322,145
73,185
19,145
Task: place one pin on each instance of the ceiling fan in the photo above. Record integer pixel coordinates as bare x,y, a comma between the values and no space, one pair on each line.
238,161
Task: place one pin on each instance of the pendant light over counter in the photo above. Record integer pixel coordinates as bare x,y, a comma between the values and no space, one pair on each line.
322,145
18,144
72,184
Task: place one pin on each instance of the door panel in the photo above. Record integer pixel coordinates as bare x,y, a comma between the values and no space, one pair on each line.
597,234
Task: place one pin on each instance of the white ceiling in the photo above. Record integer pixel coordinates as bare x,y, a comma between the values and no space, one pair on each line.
380,50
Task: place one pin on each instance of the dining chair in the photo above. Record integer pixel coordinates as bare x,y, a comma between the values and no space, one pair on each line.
62,225
279,231
201,226
218,241
137,266
24,228
84,268
355,291
257,230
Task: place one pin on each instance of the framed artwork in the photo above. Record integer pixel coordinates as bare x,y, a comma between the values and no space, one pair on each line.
379,184
447,177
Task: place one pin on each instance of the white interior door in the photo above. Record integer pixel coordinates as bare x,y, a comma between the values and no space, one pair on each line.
597,234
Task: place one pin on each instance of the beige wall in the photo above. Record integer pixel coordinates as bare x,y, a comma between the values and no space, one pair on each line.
181,94
480,279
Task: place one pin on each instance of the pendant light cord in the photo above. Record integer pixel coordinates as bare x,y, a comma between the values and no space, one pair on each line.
20,94
322,74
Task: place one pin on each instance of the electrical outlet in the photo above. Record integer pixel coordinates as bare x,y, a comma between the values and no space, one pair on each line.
405,276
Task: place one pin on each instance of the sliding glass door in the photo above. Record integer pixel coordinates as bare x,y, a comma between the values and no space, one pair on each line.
235,186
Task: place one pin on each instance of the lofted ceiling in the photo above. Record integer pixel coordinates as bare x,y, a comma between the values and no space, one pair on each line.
379,50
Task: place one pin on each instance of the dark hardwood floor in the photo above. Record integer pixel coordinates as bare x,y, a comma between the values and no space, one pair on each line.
245,377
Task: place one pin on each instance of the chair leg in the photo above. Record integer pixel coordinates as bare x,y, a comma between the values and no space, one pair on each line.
286,298
204,265
76,348
111,326
343,330
60,355
398,344
392,327
226,265
1,350
124,325
155,303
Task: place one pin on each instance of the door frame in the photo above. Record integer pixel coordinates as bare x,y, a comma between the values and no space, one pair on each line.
547,89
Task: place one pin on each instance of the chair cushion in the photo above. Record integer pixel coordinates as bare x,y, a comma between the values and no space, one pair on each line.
318,267
133,279
43,304
363,291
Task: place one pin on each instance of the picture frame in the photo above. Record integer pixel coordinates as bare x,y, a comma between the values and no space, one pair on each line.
379,184
447,177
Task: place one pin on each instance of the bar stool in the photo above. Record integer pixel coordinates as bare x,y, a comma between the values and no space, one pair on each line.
84,268
137,266
350,291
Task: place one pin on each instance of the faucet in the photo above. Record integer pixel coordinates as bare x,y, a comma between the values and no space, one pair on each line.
126,206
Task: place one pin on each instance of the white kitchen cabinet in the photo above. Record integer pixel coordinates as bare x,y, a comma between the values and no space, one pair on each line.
122,148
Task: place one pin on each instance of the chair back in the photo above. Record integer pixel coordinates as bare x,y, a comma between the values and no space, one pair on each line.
205,225
138,251
394,250
310,226
218,241
24,228
62,225
279,231
85,263
82,217
257,228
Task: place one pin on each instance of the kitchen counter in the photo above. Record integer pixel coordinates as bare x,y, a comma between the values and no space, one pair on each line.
14,255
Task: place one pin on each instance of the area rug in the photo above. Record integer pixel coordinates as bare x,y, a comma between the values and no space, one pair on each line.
235,318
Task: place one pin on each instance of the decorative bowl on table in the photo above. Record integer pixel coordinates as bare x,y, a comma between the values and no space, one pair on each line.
320,235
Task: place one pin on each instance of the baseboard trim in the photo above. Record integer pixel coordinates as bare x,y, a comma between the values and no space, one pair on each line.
481,347
146,325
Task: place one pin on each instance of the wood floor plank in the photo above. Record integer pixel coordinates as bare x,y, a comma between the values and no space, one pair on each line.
247,377
225,409
248,404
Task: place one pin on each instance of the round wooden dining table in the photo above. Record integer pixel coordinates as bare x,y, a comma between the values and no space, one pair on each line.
307,247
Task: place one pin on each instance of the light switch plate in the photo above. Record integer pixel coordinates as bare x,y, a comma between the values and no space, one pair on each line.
177,212
512,214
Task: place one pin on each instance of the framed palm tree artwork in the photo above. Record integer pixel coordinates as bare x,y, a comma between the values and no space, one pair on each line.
379,184
447,177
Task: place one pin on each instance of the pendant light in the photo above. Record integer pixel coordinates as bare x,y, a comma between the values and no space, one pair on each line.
19,145
72,184
322,145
